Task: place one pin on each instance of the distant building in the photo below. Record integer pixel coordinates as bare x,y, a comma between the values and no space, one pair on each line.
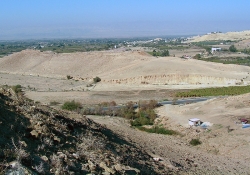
215,49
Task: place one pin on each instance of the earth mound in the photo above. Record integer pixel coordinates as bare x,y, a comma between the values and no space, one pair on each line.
127,68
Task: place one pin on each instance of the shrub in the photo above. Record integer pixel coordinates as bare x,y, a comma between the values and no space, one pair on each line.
158,130
69,77
151,104
141,121
232,48
146,113
54,103
108,104
71,105
165,53
17,88
195,142
128,111
96,79
197,56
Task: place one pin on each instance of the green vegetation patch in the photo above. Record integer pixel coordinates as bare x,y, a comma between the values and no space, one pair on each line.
71,105
227,60
158,130
232,48
17,88
232,90
211,42
163,53
54,103
195,142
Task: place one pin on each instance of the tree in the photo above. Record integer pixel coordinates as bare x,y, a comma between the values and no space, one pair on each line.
165,53
232,48
197,56
154,53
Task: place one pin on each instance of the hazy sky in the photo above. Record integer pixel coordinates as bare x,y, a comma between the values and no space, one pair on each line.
32,19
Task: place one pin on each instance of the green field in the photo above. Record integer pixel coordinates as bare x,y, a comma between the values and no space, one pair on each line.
232,90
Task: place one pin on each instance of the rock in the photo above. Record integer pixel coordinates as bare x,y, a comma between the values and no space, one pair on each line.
34,133
132,172
44,158
71,173
23,143
107,169
118,167
76,155
18,169
156,159
61,155
105,173
91,165
57,172
57,139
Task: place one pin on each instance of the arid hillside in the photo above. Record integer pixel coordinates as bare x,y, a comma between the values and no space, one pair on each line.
233,36
132,67
36,139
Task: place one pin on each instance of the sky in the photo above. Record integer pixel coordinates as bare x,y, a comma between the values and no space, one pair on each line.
42,19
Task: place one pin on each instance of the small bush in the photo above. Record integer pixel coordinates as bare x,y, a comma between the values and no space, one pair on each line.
108,104
232,48
17,88
197,56
158,130
151,104
140,121
96,79
69,77
195,142
71,105
54,103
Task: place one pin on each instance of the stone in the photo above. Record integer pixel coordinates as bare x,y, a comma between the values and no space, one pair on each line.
91,165
57,139
107,169
15,168
44,158
118,167
34,133
23,143
76,155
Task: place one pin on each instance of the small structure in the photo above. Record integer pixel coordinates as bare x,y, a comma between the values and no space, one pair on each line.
215,49
186,57
194,122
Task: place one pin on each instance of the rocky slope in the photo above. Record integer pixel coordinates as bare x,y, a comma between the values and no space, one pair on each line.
46,141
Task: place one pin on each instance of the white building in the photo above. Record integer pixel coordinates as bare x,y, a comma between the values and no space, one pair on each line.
194,121
215,49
